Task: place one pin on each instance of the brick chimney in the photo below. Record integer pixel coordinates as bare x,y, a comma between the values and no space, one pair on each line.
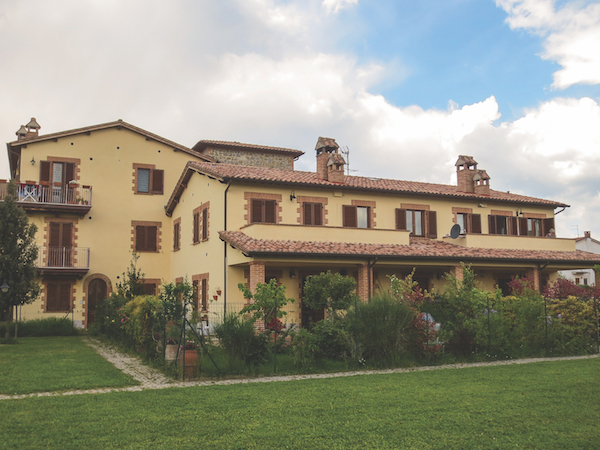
330,164
481,183
587,234
466,169
28,131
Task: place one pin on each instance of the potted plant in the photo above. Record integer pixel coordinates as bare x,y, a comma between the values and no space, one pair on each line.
190,350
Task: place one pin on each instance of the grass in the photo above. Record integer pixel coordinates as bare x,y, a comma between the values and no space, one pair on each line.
546,405
55,363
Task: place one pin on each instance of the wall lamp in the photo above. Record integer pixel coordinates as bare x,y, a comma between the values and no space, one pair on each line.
292,196
32,161
4,287
292,273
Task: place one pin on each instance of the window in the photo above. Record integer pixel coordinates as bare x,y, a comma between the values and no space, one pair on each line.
148,180
534,226
150,286
504,225
356,216
418,222
313,213
200,226
60,244
145,238
58,296
177,234
57,172
263,211
200,291
469,223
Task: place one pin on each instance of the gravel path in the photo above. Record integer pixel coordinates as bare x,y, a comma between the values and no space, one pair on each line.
150,378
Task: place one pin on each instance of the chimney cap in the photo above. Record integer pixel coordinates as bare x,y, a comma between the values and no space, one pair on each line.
328,143
481,175
22,131
33,124
464,159
336,159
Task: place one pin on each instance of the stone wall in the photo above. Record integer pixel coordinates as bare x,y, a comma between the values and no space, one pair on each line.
252,158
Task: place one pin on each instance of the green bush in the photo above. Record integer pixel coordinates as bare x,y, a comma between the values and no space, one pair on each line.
303,348
50,326
332,339
137,319
381,327
240,341
108,319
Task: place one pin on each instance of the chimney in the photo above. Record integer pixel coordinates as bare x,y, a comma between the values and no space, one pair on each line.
335,168
326,148
587,234
28,131
481,183
466,168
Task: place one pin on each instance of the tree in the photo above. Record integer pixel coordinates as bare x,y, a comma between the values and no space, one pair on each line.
18,255
331,291
269,298
132,285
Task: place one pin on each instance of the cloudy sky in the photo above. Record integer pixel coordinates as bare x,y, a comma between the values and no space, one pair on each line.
405,85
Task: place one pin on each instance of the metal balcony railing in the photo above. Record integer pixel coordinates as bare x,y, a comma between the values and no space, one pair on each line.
64,257
57,193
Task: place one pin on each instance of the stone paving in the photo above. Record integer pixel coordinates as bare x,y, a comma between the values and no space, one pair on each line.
150,378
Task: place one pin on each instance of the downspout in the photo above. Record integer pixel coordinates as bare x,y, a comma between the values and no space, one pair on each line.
370,266
225,250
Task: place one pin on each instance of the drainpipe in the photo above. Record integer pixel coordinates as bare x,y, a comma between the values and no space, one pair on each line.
225,250
370,266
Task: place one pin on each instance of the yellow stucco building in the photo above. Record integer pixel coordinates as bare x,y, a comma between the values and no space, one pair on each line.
223,213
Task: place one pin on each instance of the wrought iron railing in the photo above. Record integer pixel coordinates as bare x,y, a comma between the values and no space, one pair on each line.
69,194
64,257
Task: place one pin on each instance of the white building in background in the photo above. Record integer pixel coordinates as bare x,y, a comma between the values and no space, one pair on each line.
583,277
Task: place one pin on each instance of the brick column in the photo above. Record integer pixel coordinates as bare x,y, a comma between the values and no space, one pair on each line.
362,286
534,274
458,272
257,274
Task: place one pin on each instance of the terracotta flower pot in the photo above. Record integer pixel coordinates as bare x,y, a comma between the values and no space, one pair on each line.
191,361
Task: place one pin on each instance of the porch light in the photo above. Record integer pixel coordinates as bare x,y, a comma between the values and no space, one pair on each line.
32,161
292,273
292,196
4,287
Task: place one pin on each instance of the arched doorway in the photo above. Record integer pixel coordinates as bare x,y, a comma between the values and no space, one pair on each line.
97,290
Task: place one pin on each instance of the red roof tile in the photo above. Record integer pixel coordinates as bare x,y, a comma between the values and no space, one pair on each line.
418,249
261,174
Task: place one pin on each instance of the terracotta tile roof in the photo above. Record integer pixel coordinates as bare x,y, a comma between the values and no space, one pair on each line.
201,146
228,172
116,124
418,249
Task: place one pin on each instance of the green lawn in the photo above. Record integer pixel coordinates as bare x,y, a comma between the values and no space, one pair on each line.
55,363
546,405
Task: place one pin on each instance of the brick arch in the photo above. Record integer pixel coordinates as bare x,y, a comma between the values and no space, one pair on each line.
86,284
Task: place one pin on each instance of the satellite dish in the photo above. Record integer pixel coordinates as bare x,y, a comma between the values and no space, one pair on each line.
455,231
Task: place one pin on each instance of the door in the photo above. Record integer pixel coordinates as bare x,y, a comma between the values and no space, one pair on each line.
60,245
97,290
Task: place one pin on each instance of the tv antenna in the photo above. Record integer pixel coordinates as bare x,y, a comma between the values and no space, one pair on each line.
346,152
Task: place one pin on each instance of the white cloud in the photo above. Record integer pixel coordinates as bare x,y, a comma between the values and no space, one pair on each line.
334,6
571,36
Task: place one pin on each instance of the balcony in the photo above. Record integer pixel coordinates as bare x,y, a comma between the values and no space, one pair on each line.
65,261
513,242
56,197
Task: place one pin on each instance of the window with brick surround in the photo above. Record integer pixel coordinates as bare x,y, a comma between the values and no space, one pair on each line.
200,291
200,223
312,213
469,223
418,222
146,236
57,172
148,179
502,225
356,216
58,295
263,211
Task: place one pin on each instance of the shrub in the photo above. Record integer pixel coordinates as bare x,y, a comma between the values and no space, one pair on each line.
332,339
137,318
381,327
238,338
108,318
303,348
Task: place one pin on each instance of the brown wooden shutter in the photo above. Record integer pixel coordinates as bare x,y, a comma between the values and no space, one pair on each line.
176,236
349,216
400,219
257,211
151,238
431,224
270,206
308,219
45,171
54,234
196,232
64,296
204,294
475,220
546,225
69,172
67,235
157,181
318,214
522,226
512,226
205,224
492,224
140,238
51,297
195,293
